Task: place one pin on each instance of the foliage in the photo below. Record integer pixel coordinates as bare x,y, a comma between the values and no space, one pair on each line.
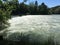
33,8
0,2
43,9
25,0
5,12
3,19
55,10
36,7
23,8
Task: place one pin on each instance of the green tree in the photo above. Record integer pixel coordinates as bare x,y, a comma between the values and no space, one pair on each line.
57,10
13,5
31,8
25,1
3,19
5,12
23,8
0,2
43,9
36,7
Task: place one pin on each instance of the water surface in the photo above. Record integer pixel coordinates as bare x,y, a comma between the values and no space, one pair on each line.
45,25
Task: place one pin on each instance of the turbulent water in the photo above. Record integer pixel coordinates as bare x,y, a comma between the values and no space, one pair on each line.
39,27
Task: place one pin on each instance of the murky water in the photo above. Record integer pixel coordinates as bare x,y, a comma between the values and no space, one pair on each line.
36,25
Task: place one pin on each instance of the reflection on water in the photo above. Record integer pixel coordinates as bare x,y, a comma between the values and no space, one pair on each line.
38,24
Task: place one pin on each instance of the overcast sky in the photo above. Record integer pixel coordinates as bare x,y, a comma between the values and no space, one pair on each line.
49,3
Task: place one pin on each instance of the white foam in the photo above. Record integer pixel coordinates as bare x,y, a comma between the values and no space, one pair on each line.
39,24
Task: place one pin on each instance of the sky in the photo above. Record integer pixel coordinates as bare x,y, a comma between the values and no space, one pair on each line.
49,3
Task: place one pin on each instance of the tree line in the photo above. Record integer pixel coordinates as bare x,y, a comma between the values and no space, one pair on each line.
31,9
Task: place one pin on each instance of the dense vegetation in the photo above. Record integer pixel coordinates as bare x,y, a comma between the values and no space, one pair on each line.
4,15
32,9
55,10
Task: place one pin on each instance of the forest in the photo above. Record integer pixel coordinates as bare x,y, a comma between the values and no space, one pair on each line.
22,8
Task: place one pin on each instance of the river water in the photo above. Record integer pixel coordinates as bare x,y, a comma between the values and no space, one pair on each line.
45,25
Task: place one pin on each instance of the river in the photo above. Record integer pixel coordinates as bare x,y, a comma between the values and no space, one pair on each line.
45,25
